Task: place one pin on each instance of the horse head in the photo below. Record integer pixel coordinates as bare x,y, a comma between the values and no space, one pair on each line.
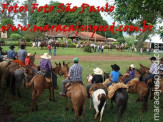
57,68
64,70
28,73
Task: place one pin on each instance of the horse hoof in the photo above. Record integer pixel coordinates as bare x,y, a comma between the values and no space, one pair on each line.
95,117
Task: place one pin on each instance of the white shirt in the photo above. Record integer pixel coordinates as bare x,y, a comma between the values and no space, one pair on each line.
154,69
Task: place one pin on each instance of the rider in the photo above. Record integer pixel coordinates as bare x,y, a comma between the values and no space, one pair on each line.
97,78
22,53
75,75
131,74
11,53
114,74
28,60
45,65
153,70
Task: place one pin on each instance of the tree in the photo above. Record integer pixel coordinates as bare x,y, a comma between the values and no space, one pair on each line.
15,36
7,21
70,18
134,12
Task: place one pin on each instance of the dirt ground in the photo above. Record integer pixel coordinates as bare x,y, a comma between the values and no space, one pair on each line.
99,58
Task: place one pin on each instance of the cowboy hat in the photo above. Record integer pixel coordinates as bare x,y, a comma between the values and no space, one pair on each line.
115,67
97,71
153,58
132,66
29,54
46,56
12,47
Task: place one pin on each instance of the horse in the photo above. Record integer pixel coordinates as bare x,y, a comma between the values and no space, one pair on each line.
38,84
57,68
106,76
99,101
120,98
43,45
64,45
110,46
77,94
22,43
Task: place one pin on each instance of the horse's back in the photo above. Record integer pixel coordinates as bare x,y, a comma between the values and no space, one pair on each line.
121,95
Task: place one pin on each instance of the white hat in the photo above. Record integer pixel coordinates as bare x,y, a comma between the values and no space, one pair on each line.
97,71
46,56
29,54
132,66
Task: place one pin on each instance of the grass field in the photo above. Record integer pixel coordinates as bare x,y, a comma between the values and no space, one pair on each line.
78,51
55,111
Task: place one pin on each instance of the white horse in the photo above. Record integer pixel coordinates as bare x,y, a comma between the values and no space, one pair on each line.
99,101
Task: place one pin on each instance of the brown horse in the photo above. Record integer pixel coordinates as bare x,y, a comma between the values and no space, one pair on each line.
57,68
38,84
22,43
77,94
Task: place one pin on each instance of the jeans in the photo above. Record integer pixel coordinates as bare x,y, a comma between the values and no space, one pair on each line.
149,76
110,83
102,50
50,52
54,77
88,87
127,80
54,51
63,84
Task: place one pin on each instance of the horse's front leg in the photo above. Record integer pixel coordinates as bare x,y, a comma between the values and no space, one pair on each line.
53,94
66,103
33,99
50,92
90,104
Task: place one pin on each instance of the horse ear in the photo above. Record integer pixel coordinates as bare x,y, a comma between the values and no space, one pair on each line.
56,63
59,64
68,63
63,63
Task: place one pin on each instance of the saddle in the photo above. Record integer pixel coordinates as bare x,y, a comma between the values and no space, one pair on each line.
69,85
97,86
43,73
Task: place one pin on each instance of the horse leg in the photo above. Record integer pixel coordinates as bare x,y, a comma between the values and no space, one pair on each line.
111,104
36,97
33,98
76,112
50,93
101,113
19,95
119,113
66,103
83,114
152,95
90,104
97,112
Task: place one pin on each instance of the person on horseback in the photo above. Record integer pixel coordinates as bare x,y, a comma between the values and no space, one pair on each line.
97,78
153,70
131,74
11,53
22,53
28,59
74,75
114,75
46,66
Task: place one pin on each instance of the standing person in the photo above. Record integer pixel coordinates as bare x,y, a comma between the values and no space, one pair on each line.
11,53
102,48
98,48
153,70
131,74
1,57
97,78
45,65
49,48
114,75
54,49
74,75
22,53
141,50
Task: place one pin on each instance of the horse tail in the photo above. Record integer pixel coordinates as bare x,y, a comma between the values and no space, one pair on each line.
81,103
102,101
31,82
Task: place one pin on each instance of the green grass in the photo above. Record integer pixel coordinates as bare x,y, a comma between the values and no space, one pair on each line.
55,111
78,51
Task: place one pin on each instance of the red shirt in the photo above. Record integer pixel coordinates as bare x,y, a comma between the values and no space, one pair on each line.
49,47
27,61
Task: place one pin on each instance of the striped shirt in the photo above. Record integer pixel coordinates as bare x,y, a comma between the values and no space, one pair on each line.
154,68
75,72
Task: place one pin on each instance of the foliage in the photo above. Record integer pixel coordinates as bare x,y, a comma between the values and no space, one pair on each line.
130,40
15,36
88,48
121,40
5,22
72,45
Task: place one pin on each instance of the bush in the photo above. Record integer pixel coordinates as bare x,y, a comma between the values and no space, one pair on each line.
121,40
88,49
106,46
15,36
73,45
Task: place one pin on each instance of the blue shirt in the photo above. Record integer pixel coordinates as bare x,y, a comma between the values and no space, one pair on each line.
22,55
115,76
11,54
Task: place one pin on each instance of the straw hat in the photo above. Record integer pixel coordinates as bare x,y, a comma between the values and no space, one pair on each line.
29,54
132,66
97,71
46,56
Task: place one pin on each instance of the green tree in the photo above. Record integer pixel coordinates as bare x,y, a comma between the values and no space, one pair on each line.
15,36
